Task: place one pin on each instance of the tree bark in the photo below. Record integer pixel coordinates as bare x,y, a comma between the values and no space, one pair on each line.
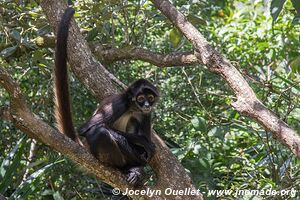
129,52
112,54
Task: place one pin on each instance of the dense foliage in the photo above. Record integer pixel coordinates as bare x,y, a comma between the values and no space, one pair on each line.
220,148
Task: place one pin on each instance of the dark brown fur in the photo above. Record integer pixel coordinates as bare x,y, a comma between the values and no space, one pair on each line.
63,113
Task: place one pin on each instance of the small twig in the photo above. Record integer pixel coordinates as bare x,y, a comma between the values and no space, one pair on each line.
31,155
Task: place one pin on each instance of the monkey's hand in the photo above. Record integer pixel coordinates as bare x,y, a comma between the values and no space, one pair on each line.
143,142
150,150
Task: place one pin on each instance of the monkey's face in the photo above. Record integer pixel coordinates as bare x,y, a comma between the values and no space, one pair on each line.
144,101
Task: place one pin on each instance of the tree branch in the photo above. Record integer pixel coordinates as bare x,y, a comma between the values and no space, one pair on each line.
247,102
112,54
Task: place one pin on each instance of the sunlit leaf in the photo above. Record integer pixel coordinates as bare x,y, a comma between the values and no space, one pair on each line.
199,124
175,37
57,196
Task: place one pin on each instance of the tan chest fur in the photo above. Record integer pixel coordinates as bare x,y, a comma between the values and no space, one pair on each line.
122,122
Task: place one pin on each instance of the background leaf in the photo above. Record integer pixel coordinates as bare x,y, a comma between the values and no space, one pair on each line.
175,37
8,51
276,7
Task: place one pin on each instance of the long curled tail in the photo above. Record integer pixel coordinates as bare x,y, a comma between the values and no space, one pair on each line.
63,113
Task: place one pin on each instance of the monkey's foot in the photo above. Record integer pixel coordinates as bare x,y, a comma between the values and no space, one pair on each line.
135,176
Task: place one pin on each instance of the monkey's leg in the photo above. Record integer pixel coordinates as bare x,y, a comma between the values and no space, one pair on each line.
134,160
114,149
104,147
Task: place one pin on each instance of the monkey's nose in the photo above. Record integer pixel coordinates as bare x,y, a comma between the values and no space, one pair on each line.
147,105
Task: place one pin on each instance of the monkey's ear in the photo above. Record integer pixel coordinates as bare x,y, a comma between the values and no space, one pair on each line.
133,99
131,92
153,89
156,92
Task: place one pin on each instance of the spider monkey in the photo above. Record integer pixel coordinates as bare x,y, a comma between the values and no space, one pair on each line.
119,131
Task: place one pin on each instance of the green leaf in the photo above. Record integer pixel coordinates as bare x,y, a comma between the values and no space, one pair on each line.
16,35
8,51
199,123
9,165
295,65
195,122
276,7
44,30
92,34
296,4
212,132
30,185
262,45
175,37
195,20
288,81
57,196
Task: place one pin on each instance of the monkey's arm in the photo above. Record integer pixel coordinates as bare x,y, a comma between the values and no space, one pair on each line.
140,127
145,126
139,133
139,140
107,114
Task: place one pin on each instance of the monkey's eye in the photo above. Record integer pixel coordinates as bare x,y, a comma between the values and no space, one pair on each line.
151,98
140,98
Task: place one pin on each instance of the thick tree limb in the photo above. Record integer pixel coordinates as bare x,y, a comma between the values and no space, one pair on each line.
247,102
112,54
